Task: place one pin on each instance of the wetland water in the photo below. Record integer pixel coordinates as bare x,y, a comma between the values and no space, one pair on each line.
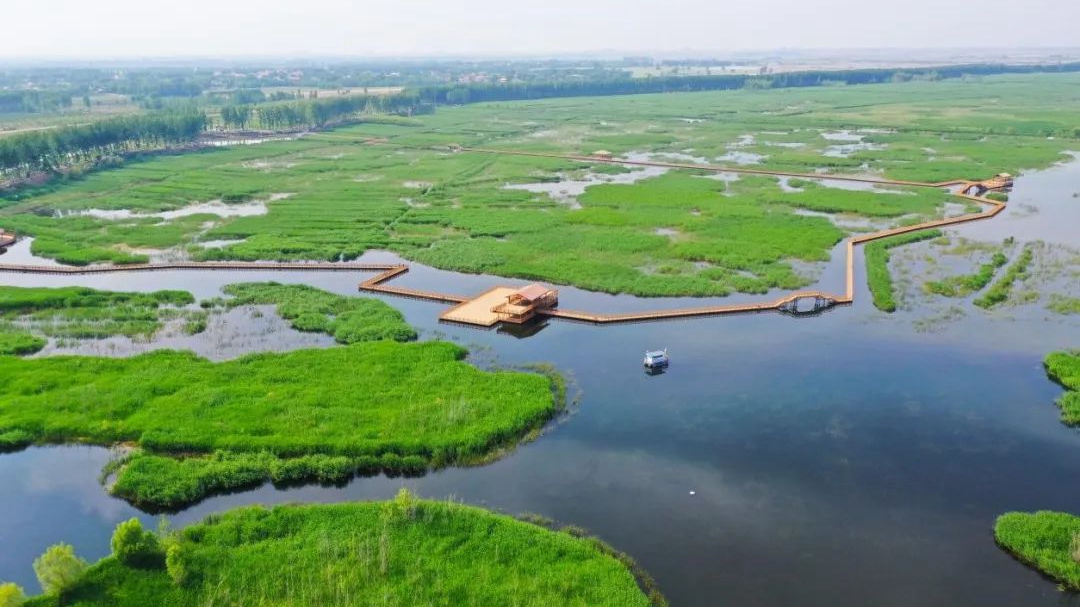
841,460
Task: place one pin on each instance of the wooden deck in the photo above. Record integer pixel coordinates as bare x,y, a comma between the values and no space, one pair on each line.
477,311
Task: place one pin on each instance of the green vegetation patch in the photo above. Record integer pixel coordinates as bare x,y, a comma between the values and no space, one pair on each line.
877,266
1048,541
79,312
999,291
678,234
966,284
14,341
1063,304
1064,368
381,404
348,319
401,552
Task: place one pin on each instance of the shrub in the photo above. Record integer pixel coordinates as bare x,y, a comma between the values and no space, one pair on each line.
58,569
11,595
178,563
134,546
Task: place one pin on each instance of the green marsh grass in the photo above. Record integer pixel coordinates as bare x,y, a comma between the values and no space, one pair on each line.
404,551
348,197
384,405
1064,368
1000,290
347,319
83,313
877,266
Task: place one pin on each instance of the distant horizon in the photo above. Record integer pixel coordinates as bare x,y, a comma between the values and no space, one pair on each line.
130,29
864,54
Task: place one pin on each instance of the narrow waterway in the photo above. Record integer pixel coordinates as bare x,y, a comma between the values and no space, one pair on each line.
839,460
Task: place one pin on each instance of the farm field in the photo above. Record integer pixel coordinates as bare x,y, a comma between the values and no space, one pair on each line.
336,195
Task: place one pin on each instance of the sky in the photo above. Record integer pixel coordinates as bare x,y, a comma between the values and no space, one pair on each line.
102,29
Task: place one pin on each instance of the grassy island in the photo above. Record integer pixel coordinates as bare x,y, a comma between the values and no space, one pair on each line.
1064,368
401,552
199,427
348,319
206,426
1048,541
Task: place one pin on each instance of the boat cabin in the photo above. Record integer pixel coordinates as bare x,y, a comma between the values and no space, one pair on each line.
522,304
6,239
657,358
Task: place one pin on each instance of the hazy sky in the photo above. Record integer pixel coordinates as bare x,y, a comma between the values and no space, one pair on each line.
153,28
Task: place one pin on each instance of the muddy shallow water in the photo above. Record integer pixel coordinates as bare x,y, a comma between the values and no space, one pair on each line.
840,460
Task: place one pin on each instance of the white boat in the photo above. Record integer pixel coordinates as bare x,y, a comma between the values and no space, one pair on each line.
657,358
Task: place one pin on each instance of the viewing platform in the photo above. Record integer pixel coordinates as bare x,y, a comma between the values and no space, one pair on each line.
504,304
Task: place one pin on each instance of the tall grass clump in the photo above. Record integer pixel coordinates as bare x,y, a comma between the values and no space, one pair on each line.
80,312
961,286
1044,540
999,291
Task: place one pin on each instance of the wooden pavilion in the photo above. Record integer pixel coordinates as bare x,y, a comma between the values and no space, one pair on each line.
522,304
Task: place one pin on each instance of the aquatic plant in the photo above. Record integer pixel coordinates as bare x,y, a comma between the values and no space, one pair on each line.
877,266
80,312
999,291
966,284
347,319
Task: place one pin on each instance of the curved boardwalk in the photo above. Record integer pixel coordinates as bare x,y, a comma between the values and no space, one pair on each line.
788,303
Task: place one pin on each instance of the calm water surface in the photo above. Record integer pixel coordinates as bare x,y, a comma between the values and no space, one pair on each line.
842,460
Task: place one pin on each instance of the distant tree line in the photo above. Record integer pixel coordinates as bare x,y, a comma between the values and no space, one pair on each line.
33,102
473,93
54,148
318,113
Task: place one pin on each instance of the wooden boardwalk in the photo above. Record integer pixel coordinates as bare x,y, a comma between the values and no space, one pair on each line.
463,310
197,265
